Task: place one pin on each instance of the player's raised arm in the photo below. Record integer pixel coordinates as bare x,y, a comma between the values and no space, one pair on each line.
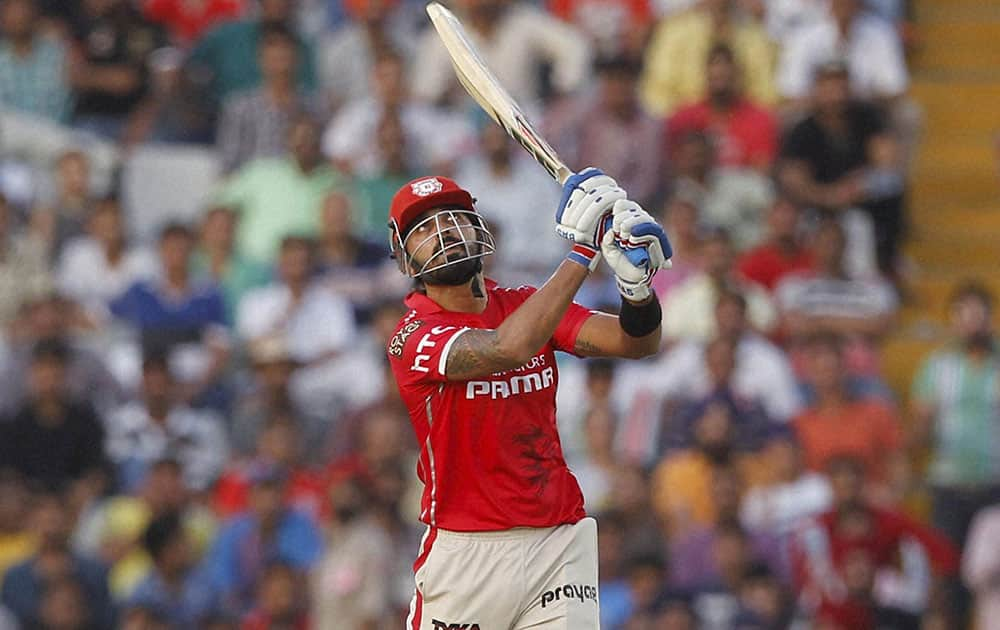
635,331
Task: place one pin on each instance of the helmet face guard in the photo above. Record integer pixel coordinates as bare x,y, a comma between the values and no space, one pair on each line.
455,236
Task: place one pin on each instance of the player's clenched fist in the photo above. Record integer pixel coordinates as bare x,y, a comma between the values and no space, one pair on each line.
587,197
633,229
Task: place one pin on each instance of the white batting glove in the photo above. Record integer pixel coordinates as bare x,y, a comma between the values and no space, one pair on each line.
587,197
635,247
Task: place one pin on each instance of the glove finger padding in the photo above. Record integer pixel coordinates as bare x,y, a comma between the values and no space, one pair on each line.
635,228
632,281
581,218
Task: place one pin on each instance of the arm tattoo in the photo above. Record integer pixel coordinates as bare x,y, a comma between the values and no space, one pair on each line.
582,346
476,352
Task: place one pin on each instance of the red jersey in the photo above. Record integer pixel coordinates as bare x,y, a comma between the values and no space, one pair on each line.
490,455
747,136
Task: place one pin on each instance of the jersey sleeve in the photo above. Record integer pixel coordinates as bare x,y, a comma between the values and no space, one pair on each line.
419,350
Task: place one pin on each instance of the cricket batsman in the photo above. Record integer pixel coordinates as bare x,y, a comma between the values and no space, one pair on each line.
508,544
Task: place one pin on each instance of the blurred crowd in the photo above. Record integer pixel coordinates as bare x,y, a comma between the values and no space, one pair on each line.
197,424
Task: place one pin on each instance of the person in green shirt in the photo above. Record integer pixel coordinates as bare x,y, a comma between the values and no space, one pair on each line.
278,197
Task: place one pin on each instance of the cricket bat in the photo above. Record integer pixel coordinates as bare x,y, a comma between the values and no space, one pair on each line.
477,79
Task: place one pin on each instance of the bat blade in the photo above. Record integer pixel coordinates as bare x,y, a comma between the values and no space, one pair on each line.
477,79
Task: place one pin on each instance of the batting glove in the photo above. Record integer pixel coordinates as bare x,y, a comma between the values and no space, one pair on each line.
636,247
586,198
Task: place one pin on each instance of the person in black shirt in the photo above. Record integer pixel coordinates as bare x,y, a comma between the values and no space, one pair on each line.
52,439
843,156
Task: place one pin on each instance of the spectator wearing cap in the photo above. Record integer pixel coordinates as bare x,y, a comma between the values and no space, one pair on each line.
842,158
860,309
373,27
674,69
158,425
254,123
52,438
514,38
180,314
25,584
608,126
112,529
438,137
296,183
744,133
266,533
514,193
224,54
217,259
33,65
781,253
99,266
174,586
186,21
110,71
688,311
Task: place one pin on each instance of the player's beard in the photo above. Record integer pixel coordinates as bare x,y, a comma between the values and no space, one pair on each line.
454,274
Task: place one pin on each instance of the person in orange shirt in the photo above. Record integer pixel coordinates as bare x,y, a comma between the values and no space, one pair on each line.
840,424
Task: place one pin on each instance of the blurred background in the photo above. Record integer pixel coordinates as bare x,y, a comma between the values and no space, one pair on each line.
197,424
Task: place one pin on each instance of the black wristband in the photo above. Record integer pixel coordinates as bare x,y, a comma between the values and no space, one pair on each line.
639,321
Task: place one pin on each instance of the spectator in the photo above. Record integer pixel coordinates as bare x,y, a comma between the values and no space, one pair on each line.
681,219
869,44
514,38
716,599
596,467
762,374
280,602
173,584
764,600
840,424
17,541
980,563
109,73
279,445
112,530
217,259
514,192
99,266
351,586
254,123
782,253
53,439
24,274
373,28
33,65
842,157
954,415
25,584
352,266
64,217
675,71
144,431
791,493
613,27
687,314
838,556
186,22
828,299
51,318
437,135
266,533
373,193
182,315
297,184
64,606
744,134
607,126
224,54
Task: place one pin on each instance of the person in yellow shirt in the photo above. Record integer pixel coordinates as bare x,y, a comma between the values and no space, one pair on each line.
674,73
17,542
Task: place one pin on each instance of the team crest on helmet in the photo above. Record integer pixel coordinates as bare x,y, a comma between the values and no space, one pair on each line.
424,187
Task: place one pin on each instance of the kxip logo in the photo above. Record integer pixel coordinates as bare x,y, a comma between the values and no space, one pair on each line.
424,187
570,591
444,625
